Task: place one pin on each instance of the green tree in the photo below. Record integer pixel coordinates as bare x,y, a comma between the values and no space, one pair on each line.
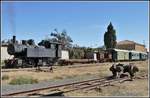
63,38
110,37
76,53
31,42
45,43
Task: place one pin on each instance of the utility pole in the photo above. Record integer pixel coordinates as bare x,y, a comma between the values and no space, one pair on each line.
144,43
11,17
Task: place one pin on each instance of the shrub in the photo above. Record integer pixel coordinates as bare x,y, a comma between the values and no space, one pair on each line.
88,74
5,77
58,77
23,80
70,76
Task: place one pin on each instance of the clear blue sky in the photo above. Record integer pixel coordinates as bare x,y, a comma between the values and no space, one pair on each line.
85,22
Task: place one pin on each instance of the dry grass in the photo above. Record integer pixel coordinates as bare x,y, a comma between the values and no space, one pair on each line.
23,80
128,88
138,87
58,73
5,77
65,72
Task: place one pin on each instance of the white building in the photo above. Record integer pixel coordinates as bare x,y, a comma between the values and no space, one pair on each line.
4,53
64,54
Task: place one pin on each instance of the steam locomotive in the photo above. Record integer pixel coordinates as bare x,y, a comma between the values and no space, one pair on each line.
27,54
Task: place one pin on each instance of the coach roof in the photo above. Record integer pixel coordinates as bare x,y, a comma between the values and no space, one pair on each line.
121,50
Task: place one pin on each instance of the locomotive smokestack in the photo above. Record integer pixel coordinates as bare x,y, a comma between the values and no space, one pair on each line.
14,39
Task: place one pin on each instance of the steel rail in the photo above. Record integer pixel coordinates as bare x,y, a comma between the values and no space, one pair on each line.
50,87
103,83
87,84
96,82
54,67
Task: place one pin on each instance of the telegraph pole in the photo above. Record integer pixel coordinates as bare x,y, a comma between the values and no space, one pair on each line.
11,17
144,43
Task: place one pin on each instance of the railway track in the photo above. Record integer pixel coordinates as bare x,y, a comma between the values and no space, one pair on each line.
22,69
54,67
60,89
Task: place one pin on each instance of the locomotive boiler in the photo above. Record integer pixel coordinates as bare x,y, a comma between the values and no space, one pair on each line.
28,54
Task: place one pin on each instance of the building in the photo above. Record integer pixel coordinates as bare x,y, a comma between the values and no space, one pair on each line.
64,54
131,45
4,53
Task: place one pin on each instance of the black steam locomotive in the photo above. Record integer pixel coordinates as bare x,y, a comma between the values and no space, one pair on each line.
27,54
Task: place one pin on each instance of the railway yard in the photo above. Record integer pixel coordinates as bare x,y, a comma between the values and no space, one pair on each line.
76,80
65,49
110,72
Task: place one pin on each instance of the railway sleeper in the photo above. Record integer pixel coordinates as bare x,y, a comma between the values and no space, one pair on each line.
52,93
55,93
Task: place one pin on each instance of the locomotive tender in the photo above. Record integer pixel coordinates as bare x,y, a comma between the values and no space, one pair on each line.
28,54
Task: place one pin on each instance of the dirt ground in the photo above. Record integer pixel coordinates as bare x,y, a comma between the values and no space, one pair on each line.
129,88
137,87
60,73
102,69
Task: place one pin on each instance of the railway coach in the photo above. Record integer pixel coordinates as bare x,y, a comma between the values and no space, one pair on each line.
143,56
124,55
118,54
134,55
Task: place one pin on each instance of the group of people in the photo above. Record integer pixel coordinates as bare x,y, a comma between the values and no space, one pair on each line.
119,69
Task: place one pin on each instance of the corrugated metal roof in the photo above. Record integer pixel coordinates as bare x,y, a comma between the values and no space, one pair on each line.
121,50
135,51
129,51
